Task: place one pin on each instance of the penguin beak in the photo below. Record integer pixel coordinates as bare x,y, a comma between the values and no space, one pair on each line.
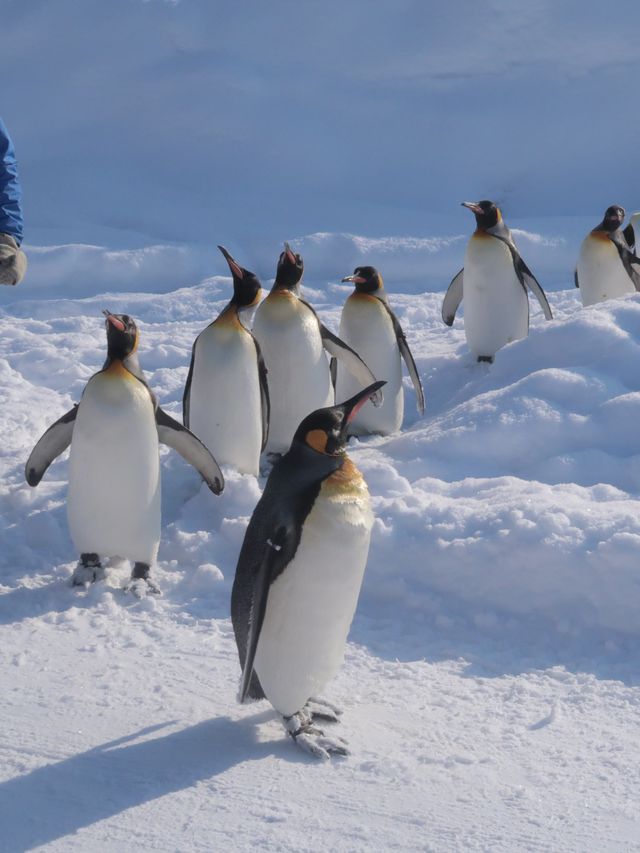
352,406
234,266
473,206
116,322
356,279
290,255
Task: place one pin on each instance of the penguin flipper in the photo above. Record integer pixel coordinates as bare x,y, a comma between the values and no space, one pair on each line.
452,298
186,397
628,258
575,278
189,446
531,283
275,555
265,403
630,236
333,372
49,446
337,348
405,352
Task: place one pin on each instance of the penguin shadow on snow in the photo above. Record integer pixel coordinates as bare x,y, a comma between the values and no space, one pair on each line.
101,783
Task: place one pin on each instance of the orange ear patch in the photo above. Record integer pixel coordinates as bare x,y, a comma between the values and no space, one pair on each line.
317,439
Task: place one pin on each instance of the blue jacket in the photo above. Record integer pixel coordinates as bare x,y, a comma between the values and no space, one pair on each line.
10,191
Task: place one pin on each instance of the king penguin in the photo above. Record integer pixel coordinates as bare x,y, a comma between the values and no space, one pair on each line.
113,504
369,326
299,574
494,283
293,342
607,266
226,397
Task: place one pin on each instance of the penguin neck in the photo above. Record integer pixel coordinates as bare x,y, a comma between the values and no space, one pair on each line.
303,463
606,230
279,287
130,363
230,315
377,293
497,230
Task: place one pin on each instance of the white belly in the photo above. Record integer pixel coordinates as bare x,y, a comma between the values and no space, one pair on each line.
496,307
225,410
298,370
311,604
366,326
601,273
114,471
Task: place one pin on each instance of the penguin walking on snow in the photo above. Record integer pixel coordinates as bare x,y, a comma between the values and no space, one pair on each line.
113,504
369,326
494,283
293,342
607,264
299,574
226,397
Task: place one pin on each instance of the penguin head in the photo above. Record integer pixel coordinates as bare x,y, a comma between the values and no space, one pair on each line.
612,220
246,286
487,213
326,430
366,279
289,271
122,335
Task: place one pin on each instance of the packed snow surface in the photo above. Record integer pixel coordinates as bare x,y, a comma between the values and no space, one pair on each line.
491,684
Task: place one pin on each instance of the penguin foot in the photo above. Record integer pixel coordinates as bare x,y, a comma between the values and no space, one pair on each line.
142,587
487,359
313,740
320,709
141,583
88,571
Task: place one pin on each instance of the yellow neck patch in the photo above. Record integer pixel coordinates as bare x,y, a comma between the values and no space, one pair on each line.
228,317
117,370
347,480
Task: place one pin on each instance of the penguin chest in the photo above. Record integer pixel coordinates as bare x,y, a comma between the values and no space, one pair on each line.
114,471
225,409
601,273
496,308
311,604
367,327
299,380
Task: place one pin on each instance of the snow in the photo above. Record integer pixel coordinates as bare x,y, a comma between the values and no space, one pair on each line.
491,686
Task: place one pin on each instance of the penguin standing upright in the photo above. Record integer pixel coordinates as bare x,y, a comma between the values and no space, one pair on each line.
113,504
607,266
226,397
293,342
369,326
299,574
494,283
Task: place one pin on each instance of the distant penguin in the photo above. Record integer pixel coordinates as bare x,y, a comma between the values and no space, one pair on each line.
494,283
607,267
299,574
293,342
226,397
369,326
113,504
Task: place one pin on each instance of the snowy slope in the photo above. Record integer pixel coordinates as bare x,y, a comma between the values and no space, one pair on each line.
490,688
